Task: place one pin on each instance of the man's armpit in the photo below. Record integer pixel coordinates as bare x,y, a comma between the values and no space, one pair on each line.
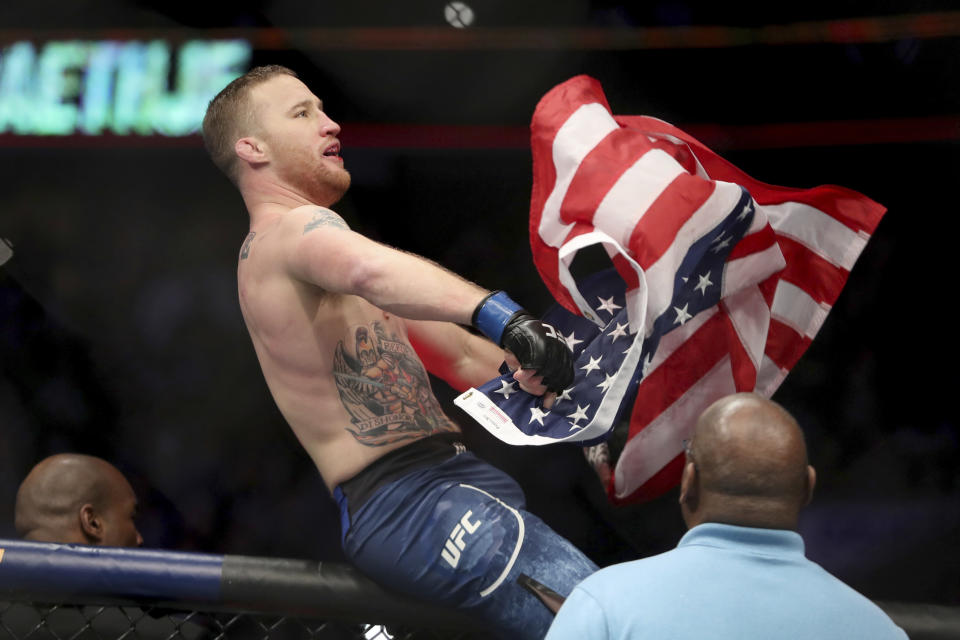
324,218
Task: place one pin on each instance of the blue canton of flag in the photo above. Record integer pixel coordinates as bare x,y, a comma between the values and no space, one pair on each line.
609,360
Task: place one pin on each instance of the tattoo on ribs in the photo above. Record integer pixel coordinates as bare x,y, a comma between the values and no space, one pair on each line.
324,219
245,249
385,389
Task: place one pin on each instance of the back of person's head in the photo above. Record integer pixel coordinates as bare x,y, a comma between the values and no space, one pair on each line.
230,116
76,498
746,465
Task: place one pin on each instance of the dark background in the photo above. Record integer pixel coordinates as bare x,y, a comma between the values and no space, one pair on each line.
122,336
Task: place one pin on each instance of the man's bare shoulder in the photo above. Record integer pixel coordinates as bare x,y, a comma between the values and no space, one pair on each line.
305,219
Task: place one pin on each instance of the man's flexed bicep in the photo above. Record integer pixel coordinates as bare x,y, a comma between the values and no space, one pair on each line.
323,251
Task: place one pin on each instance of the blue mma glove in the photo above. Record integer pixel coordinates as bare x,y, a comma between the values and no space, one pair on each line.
536,345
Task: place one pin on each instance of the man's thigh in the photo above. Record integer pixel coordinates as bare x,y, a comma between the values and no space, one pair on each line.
464,545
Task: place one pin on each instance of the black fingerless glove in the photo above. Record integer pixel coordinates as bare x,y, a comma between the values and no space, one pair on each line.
535,344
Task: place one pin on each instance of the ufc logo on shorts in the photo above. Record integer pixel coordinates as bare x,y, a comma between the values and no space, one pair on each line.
455,544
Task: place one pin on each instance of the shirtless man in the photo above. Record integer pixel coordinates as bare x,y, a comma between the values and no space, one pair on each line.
342,327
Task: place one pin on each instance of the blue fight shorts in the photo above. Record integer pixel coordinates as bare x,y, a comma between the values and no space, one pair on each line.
433,521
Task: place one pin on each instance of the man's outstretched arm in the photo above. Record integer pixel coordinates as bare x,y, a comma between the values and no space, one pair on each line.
325,252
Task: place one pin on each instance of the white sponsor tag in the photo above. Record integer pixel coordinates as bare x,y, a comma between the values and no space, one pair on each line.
495,420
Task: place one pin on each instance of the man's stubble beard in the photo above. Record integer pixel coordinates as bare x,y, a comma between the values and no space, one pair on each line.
322,182
324,185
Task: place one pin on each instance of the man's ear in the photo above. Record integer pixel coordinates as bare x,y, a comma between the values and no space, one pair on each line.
811,483
90,524
250,149
688,485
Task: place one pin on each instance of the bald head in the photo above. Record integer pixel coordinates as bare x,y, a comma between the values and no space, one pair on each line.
747,465
76,498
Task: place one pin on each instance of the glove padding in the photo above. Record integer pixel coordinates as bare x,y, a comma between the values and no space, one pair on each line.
535,344
538,346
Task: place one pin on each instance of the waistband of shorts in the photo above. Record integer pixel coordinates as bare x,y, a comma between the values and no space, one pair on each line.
425,452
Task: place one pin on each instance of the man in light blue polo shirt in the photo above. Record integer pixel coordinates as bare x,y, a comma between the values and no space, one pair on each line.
740,570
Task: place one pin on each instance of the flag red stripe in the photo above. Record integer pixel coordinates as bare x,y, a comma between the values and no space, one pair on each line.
784,344
626,271
658,228
819,278
545,257
662,481
754,243
849,207
655,232
769,288
687,364
551,113
680,152
744,371
599,170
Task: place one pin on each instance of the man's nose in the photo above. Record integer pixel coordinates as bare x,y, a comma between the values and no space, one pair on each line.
328,127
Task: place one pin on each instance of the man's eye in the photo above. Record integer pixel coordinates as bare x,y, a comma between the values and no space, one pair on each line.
301,114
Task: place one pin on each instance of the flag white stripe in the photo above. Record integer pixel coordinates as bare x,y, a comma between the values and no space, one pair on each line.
581,132
750,317
744,271
484,410
769,377
633,193
661,440
823,235
680,143
797,309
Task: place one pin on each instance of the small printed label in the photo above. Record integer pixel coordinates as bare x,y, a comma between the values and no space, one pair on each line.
494,419
481,409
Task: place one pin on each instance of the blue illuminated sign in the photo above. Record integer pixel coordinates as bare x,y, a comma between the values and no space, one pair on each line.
93,87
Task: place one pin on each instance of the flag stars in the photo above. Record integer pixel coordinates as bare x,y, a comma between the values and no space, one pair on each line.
593,364
579,414
618,332
703,284
571,340
565,395
605,385
721,243
682,315
747,210
538,415
506,388
608,305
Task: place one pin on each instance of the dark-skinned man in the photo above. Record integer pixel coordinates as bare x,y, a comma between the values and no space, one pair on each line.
740,570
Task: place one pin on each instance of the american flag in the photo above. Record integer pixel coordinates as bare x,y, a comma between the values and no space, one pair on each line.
718,282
